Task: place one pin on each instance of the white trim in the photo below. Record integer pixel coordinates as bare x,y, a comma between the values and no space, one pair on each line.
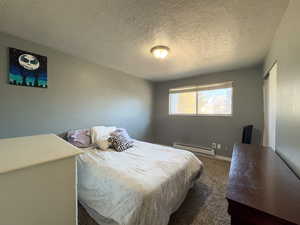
195,149
201,151
216,157
203,87
197,96
270,107
225,115
224,158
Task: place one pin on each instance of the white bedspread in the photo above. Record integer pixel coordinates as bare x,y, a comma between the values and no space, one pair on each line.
141,186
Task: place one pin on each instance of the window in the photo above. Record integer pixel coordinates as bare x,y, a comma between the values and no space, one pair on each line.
183,103
214,99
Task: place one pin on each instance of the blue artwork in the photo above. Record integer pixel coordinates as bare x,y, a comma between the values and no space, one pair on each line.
27,69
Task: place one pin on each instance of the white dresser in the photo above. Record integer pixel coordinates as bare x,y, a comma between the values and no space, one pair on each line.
38,181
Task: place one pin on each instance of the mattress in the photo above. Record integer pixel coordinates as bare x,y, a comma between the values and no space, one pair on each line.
143,185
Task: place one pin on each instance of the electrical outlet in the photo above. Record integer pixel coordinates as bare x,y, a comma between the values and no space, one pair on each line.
214,145
219,146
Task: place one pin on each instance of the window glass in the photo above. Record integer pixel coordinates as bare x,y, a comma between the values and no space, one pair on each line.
216,101
213,99
183,103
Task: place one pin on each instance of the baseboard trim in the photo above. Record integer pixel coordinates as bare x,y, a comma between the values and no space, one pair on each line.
217,157
224,158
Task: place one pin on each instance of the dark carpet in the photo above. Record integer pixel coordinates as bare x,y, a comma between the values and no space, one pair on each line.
205,204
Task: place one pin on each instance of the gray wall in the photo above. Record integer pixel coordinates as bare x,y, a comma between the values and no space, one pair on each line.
286,50
80,94
203,130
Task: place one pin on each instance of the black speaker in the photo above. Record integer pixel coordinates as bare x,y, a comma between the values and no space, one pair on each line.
247,134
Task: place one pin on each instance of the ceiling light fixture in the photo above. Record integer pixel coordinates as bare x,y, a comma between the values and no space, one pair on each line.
160,51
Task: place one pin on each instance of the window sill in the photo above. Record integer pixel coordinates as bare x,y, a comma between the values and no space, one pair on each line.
203,115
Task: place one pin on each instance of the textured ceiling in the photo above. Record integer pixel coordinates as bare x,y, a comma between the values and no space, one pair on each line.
204,35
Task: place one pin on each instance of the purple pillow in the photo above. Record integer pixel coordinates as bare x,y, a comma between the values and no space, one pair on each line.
80,138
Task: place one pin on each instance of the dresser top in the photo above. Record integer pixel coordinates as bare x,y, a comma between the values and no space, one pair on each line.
21,152
260,179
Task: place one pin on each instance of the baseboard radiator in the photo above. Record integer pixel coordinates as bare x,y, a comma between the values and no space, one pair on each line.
194,148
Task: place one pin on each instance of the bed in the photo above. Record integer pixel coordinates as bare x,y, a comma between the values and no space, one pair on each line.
143,185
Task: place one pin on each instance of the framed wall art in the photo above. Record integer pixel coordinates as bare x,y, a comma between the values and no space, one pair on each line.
27,69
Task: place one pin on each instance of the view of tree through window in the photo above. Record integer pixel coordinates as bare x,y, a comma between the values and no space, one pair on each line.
213,99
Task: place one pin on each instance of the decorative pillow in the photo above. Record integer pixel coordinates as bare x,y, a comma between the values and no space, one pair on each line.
80,138
122,131
100,135
119,142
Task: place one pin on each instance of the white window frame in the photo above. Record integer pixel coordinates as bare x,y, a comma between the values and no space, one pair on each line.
228,84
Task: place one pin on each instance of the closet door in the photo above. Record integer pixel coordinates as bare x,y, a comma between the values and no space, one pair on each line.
270,108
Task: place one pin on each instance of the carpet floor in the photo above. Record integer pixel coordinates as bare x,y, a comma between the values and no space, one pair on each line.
205,204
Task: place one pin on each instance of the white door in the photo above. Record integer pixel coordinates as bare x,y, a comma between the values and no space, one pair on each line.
270,108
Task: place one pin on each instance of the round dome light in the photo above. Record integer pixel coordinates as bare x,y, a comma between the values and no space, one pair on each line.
160,51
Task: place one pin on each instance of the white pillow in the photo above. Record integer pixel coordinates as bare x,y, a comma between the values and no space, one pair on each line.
100,135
